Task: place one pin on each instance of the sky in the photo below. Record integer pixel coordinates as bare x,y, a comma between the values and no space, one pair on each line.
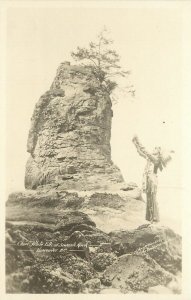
149,42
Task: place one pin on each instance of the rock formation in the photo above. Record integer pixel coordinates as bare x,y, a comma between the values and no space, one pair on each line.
132,273
63,241
67,253
69,138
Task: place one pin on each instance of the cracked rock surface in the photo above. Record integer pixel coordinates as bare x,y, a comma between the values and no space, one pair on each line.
56,242
69,138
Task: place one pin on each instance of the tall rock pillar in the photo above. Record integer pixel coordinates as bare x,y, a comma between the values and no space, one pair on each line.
69,138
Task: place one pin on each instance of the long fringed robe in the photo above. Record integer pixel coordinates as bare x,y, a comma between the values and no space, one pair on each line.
150,182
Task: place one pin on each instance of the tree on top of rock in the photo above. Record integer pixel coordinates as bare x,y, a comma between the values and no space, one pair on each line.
103,61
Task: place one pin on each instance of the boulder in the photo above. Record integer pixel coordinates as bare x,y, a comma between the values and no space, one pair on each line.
107,200
45,198
51,209
43,280
135,273
15,256
93,285
77,267
79,244
104,248
160,243
102,260
69,219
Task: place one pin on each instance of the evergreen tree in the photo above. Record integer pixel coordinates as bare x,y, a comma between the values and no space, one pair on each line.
103,61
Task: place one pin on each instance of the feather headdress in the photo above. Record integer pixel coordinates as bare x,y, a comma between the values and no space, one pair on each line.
165,157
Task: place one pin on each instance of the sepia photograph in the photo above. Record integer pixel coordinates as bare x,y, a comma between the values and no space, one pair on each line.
93,115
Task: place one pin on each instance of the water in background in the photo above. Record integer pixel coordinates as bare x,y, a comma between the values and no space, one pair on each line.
170,207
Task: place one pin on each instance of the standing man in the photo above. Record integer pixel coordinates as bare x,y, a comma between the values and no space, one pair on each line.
155,161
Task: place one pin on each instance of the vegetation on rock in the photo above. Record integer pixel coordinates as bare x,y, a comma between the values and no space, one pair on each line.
103,61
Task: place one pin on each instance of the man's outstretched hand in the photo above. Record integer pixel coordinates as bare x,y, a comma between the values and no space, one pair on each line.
135,138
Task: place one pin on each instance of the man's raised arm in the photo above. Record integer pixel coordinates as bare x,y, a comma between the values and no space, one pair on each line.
141,149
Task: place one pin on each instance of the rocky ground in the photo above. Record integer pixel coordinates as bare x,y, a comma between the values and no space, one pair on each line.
68,242
91,241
